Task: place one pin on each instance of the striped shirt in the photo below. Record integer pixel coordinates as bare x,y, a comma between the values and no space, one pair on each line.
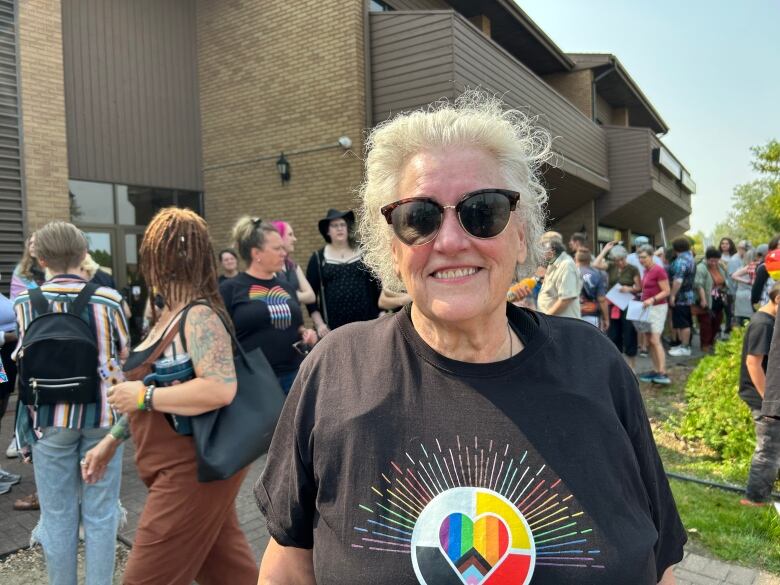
107,320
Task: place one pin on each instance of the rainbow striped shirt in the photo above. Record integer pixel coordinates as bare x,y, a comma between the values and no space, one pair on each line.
107,320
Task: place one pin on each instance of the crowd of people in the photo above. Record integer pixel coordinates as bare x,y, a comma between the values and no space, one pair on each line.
721,289
450,228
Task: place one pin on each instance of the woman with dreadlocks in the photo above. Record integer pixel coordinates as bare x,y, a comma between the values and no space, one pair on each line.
188,530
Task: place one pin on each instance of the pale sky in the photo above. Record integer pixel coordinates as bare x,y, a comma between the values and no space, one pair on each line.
711,69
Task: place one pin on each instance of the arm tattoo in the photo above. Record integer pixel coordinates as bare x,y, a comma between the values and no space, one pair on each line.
209,345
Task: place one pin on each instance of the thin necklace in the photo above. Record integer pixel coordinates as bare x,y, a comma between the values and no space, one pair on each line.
509,331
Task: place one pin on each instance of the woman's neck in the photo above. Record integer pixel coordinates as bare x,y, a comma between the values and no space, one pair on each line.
480,340
340,246
258,272
231,273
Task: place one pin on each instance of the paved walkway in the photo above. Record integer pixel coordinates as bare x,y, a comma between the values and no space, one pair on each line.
15,527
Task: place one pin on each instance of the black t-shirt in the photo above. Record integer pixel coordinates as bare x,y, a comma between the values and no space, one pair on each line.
267,315
400,466
771,404
758,339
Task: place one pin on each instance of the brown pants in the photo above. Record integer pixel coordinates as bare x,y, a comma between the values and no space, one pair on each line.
188,532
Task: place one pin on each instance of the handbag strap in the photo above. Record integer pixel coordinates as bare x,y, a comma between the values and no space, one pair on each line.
229,329
320,262
167,337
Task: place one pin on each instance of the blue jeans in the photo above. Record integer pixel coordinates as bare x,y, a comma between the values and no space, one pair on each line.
286,380
65,499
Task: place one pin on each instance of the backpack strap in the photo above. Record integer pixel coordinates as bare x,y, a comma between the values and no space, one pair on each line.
83,298
39,303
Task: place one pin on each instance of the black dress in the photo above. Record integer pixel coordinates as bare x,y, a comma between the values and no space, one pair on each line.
350,291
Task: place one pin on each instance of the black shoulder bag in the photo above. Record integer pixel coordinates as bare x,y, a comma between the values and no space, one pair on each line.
230,438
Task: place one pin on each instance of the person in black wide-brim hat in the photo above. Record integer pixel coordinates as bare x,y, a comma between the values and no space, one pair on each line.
332,215
345,288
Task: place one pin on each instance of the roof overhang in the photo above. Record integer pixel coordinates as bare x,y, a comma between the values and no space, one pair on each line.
514,30
615,85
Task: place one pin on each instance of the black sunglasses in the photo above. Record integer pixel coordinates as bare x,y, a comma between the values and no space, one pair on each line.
483,214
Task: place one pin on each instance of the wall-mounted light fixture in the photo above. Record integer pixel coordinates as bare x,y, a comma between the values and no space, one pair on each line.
283,168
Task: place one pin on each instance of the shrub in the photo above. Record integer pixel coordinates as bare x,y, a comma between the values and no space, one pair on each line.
714,413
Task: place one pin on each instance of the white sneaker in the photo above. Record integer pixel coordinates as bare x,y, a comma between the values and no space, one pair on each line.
11,452
680,351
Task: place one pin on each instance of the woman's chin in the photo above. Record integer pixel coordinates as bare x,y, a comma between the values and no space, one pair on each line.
457,310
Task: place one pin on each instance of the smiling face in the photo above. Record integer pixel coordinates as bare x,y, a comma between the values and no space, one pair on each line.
289,239
229,262
456,277
725,246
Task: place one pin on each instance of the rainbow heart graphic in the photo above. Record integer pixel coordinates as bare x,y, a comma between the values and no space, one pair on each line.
474,547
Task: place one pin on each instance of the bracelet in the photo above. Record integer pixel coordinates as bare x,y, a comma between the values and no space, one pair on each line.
148,397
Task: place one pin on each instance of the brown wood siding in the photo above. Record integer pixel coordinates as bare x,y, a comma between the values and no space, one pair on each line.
640,192
629,167
411,61
11,186
670,186
131,92
480,62
419,57
418,4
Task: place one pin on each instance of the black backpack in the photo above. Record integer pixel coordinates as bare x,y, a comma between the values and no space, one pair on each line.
58,360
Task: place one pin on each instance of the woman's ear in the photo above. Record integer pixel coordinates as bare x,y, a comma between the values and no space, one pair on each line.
522,251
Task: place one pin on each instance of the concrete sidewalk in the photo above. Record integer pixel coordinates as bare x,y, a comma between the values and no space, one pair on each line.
15,527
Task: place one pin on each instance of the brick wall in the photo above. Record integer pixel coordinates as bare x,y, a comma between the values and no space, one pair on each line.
43,112
280,76
576,87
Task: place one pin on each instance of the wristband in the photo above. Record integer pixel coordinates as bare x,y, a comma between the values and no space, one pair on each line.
140,400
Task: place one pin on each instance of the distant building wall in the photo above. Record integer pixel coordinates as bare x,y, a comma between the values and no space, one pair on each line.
280,76
576,87
43,112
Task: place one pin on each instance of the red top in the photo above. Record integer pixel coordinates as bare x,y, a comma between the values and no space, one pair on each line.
650,286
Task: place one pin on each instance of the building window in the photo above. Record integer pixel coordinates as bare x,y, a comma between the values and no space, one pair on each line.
94,203
379,6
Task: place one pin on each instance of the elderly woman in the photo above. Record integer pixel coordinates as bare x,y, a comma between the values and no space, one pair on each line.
479,439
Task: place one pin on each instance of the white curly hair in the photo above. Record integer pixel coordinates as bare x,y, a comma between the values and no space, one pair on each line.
475,119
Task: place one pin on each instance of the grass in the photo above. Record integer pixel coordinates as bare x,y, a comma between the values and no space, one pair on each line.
717,524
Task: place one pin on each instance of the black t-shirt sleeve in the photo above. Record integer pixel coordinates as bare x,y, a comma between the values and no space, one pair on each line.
313,276
771,403
671,533
286,492
759,337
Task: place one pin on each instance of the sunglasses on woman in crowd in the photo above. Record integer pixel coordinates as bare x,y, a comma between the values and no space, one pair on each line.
483,214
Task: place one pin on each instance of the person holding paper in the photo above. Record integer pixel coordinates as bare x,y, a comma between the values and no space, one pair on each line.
626,277
655,291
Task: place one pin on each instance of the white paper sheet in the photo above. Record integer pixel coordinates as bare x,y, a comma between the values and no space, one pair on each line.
620,299
637,311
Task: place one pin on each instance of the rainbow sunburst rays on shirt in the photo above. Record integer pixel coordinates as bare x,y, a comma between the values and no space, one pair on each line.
477,513
276,298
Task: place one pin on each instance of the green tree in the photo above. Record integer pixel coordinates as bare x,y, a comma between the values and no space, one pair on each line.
755,207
